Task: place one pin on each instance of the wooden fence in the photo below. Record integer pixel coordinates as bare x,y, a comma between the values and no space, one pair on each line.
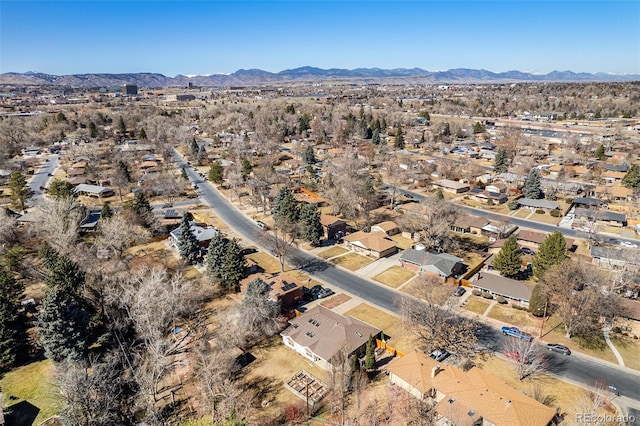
381,344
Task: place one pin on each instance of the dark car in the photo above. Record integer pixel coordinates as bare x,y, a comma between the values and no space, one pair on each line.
409,195
316,289
325,292
262,225
526,250
459,291
561,349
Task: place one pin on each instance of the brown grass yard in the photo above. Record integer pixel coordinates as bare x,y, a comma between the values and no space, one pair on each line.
391,325
545,218
352,261
334,301
270,264
520,319
629,349
402,242
522,213
476,304
332,251
303,279
394,276
33,384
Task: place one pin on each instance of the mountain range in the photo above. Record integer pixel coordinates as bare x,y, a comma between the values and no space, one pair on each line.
251,77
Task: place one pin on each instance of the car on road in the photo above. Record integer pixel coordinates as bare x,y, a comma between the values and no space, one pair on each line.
628,244
409,195
515,332
439,354
262,225
561,349
515,355
459,291
167,205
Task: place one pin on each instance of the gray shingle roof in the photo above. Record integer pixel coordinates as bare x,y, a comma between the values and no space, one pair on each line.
538,204
505,287
442,261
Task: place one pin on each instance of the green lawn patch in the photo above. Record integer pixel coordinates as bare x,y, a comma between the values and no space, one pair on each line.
352,261
30,394
477,305
394,276
332,252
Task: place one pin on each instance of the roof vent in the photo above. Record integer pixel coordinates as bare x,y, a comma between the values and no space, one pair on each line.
451,400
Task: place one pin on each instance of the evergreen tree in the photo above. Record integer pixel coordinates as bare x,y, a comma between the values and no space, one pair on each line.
501,161
194,148
61,189
106,212
48,255
632,178
532,186
123,171
537,302
508,261
187,242
141,204
308,155
478,128
304,123
63,320
439,195
122,127
600,153
215,257
370,354
233,265
143,134
311,226
375,138
216,172
92,130
247,167
20,192
12,320
425,115
552,251
285,206
61,118
399,143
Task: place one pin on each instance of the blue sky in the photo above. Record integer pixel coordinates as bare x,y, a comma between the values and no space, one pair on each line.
205,37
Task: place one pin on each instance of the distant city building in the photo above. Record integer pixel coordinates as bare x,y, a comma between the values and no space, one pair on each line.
130,89
180,98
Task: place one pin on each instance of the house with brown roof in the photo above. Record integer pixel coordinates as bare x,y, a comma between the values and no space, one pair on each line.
334,227
467,224
466,398
374,244
389,227
532,239
451,186
611,176
320,334
284,289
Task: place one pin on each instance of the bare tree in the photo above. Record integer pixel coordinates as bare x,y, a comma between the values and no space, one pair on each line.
431,224
282,241
117,234
60,223
235,179
7,230
528,357
258,315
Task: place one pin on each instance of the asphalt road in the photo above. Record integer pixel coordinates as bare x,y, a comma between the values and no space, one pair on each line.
41,177
580,369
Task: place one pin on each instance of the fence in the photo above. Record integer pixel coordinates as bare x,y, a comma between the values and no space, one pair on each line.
381,344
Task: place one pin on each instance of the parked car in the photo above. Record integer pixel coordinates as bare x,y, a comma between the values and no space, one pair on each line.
527,250
459,291
262,225
515,332
439,354
556,347
325,292
515,355
409,195
316,289
628,244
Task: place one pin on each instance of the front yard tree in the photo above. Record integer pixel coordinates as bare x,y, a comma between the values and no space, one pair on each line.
61,189
285,206
370,354
12,332
20,192
63,320
308,155
600,155
258,312
527,356
508,260
247,168
552,251
312,230
216,172
106,212
538,302
215,257
187,242
233,265
532,186
399,142
501,161
142,208
632,178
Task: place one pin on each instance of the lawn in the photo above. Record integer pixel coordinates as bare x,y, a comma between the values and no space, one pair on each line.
522,213
545,218
270,264
394,276
303,278
30,393
629,349
336,300
389,324
477,304
332,252
352,261
402,242
520,319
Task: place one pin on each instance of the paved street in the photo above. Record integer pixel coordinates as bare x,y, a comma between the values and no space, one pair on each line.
580,369
41,176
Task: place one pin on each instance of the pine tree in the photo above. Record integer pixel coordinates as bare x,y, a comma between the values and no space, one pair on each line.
285,206
92,130
216,172
187,242
478,128
600,153
142,208
308,155
215,257
123,171
552,251
63,321
122,127
370,354
61,189
537,301
194,148
632,178
311,226
247,167
399,143
500,162
20,192
106,212
508,261
375,138
12,320
233,265
532,186
143,134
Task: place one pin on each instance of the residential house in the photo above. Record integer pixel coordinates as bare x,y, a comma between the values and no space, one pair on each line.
484,196
334,227
497,187
284,289
532,239
467,224
613,257
93,191
451,186
374,244
389,227
586,202
202,234
498,231
604,217
319,334
497,285
612,176
442,265
533,204
466,398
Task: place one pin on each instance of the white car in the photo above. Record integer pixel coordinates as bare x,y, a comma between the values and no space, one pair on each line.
627,244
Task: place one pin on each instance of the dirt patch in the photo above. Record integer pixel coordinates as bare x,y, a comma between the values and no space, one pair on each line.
335,301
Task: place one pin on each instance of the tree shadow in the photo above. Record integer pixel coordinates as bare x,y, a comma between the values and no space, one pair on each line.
22,414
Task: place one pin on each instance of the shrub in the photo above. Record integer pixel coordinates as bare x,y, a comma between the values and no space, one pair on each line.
487,295
512,204
501,300
616,329
555,213
519,307
476,292
568,200
539,211
466,197
490,203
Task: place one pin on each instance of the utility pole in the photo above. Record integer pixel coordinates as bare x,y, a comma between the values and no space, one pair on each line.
544,317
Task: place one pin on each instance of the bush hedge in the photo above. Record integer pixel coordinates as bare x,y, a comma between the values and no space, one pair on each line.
539,211
501,300
476,292
555,213
487,295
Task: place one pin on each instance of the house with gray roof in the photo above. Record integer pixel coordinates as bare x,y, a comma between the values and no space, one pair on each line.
93,190
202,234
532,203
319,334
608,257
605,217
441,264
517,291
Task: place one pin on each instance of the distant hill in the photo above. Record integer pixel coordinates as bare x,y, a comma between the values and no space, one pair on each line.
255,76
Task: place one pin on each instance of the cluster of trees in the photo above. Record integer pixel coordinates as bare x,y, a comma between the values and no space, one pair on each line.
225,264
299,219
551,251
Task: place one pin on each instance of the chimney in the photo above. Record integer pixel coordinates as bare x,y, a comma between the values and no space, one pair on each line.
434,371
